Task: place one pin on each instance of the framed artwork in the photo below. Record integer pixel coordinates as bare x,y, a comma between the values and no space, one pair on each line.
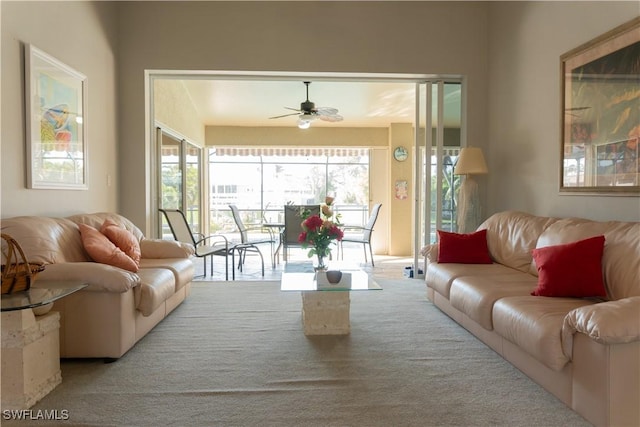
402,189
56,123
600,114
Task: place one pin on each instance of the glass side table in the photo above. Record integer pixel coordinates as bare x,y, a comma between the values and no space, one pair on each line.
46,293
31,342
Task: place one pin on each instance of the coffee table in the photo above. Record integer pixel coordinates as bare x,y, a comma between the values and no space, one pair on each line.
325,311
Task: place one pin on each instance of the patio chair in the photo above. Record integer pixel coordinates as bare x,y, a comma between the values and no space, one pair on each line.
217,245
292,227
365,233
248,244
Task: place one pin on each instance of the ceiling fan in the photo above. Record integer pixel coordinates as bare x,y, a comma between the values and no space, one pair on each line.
308,112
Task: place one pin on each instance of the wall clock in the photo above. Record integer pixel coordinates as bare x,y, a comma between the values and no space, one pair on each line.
400,154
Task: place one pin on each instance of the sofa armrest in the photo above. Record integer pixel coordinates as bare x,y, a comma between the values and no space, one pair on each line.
611,322
430,252
100,277
158,248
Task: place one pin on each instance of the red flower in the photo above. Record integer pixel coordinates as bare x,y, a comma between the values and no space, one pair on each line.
312,223
335,231
319,234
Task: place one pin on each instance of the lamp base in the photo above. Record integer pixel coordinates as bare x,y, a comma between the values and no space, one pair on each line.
468,206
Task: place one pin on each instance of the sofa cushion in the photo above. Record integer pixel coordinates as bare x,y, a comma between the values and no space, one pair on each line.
156,286
463,248
46,240
158,248
535,325
122,238
102,250
570,270
511,236
476,295
182,268
97,219
440,276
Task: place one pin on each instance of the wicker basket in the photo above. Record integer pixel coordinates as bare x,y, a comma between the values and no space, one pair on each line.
17,273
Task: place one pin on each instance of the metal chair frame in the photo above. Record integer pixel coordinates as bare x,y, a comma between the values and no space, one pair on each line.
367,232
247,245
205,246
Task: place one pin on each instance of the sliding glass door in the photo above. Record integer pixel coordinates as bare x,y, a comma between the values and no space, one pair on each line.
439,136
181,179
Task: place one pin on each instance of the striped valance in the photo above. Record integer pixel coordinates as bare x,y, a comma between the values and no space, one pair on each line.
289,151
297,151
448,151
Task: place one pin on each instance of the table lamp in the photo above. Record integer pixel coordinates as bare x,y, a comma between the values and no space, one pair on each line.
470,162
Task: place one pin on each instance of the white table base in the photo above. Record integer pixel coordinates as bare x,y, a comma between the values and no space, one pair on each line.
30,357
326,312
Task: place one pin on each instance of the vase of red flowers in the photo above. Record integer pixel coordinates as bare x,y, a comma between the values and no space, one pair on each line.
319,232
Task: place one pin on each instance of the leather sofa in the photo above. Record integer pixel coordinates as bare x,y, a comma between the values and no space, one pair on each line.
586,351
119,307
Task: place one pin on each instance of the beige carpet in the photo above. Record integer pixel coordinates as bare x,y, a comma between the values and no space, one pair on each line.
234,355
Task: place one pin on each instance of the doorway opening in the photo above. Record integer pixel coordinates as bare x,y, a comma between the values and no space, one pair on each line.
439,108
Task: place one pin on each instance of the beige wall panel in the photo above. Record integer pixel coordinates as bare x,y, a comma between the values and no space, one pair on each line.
173,108
83,36
527,39
401,205
379,193
293,137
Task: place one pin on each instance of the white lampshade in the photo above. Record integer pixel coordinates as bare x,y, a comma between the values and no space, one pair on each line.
470,162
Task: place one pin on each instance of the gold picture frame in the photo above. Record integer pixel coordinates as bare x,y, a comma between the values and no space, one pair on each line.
600,114
56,123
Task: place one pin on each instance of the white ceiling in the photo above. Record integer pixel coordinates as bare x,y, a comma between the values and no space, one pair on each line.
362,104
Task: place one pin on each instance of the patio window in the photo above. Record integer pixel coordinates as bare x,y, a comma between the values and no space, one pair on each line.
261,181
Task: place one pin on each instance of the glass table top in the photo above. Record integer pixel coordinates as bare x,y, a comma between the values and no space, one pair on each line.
300,276
47,292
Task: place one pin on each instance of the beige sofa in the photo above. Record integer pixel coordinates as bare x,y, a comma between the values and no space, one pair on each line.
118,307
586,351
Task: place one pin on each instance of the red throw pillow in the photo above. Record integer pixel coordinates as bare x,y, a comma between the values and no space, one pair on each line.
123,239
463,248
571,270
102,250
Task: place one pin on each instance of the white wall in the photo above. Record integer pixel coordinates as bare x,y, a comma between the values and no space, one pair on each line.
526,41
83,36
366,37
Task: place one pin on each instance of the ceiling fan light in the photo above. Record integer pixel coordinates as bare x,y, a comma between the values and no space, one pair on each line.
304,124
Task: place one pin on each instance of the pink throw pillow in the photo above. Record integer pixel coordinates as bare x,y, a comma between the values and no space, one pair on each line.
463,248
102,250
123,239
571,270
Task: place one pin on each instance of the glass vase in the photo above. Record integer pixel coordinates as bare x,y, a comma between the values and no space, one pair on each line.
321,266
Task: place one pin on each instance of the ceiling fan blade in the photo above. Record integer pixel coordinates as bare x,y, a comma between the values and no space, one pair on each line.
327,111
294,109
285,115
331,118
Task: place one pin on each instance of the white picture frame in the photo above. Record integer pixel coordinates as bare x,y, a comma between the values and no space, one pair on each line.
56,123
